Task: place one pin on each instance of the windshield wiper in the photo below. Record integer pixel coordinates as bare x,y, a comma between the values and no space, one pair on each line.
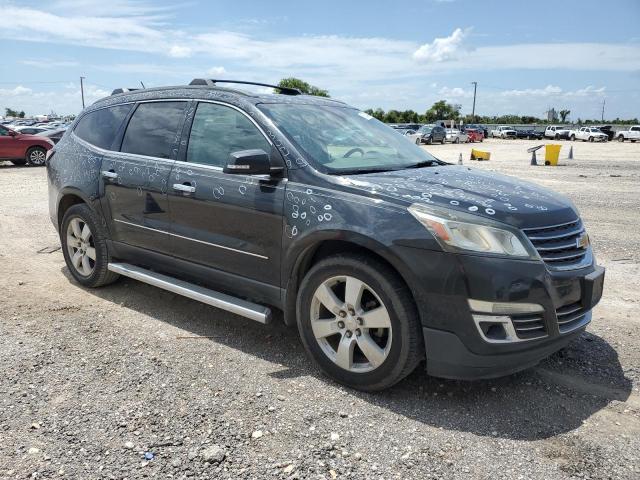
356,171
426,163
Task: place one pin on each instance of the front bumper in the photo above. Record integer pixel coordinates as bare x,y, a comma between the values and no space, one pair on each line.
443,283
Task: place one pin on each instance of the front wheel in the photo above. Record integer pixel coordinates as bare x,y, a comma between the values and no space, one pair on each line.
621,138
591,139
573,138
418,141
457,140
36,156
358,322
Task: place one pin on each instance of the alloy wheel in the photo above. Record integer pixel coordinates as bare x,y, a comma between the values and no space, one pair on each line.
37,157
82,251
351,324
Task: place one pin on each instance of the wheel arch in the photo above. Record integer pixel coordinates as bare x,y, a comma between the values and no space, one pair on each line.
326,244
68,198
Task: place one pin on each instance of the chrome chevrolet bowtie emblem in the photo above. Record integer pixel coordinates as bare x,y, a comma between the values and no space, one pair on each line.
582,241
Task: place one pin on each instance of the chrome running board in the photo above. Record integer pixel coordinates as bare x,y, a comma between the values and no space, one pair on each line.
219,300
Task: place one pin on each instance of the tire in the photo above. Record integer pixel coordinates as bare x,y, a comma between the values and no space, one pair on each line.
591,139
36,156
430,141
96,274
557,137
401,343
457,140
418,142
19,162
621,138
573,138
444,140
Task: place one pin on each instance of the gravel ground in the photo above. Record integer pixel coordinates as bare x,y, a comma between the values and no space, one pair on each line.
133,382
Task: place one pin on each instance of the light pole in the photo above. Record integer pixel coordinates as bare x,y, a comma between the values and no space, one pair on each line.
473,110
82,91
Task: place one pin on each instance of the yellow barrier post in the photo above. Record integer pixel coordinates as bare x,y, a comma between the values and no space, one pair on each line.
551,154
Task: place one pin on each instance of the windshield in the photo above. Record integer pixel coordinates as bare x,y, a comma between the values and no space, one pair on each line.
343,140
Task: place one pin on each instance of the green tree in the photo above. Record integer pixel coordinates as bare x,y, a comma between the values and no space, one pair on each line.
303,86
21,114
564,114
442,110
10,112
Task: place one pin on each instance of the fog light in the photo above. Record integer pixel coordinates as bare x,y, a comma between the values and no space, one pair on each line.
495,328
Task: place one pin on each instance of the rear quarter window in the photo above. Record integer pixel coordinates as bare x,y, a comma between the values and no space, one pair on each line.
100,127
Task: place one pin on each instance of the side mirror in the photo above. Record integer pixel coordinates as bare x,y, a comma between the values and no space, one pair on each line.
250,162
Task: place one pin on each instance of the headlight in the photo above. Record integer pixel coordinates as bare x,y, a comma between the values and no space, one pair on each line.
458,231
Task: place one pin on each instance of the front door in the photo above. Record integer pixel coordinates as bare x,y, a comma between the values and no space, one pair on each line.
136,177
229,222
9,146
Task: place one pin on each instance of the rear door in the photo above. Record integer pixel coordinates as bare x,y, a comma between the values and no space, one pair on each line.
135,177
230,222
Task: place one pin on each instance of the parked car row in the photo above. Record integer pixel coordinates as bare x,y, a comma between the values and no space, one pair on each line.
27,142
431,134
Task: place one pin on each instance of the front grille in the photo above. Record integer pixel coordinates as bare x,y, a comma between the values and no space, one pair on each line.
571,317
529,326
558,245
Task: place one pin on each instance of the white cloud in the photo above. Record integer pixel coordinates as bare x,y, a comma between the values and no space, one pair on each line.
49,63
547,91
216,71
455,92
64,101
15,92
443,49
178,51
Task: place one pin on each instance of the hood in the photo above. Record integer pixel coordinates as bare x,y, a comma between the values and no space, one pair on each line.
486,194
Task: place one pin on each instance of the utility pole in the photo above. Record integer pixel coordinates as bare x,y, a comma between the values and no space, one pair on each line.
473,110
82,91
603,102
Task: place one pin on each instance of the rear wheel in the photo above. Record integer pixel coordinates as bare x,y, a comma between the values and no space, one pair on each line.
591,139
621,138
36,156
84,246
358,322
418,141
444,140
573,138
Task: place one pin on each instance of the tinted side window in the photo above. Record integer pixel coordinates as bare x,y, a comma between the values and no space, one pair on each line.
218,131
99,128
153,129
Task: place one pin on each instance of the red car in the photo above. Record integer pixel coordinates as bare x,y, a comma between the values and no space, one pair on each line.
474,134
21,148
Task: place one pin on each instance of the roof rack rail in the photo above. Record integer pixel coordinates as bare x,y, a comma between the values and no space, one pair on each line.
211,82
123,90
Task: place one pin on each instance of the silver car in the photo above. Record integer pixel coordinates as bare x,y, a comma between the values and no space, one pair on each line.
456,136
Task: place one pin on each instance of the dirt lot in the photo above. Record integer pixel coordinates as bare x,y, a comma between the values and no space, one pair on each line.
94,379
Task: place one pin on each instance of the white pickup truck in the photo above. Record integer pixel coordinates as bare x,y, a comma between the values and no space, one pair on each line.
632,134
590,134
503,131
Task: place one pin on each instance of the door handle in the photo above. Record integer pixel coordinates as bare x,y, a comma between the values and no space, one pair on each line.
109,174
185,188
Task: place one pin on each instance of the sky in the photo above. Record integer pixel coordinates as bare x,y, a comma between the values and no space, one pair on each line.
525,56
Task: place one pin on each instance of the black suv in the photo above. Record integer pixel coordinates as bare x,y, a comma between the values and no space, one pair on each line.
382,255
